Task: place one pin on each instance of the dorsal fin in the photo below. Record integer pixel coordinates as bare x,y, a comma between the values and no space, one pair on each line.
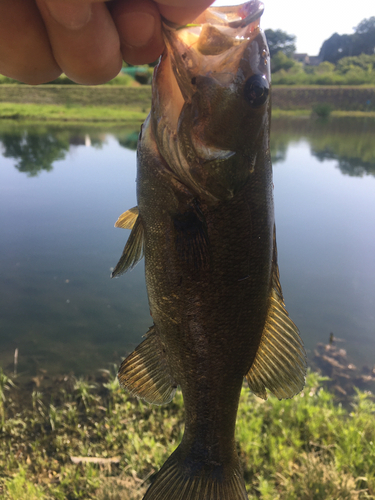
280,362
133,251
128,218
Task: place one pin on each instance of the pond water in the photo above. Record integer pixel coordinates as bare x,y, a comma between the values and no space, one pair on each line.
62,189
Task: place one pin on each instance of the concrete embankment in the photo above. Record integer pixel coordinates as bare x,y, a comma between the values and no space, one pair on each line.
342,98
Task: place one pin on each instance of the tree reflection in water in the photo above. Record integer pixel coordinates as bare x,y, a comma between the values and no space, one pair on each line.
33,152
35,149
350,141
347,140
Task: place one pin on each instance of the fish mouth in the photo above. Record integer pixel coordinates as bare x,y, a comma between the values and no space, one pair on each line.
237,16
213,56
213,44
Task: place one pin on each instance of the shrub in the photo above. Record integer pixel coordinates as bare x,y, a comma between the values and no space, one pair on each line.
358,70
281,62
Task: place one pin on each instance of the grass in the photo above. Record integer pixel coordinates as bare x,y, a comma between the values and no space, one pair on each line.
304,448
306,113
73,113
117,114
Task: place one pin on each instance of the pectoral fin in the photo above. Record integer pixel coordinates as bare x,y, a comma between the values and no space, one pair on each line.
145,372
128,218
280,362
133,251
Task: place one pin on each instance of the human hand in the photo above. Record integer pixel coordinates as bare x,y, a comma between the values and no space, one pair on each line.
85,39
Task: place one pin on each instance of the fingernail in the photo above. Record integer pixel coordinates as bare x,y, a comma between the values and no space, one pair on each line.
70,15
139,28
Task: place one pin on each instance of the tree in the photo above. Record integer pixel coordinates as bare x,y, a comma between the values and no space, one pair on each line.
364,37
336,47
279,40
361,42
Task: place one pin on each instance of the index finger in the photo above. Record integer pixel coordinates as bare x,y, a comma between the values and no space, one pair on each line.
180,11
83,38
25,51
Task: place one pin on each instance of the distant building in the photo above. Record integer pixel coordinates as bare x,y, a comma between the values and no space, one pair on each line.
307,60
302,58
315,60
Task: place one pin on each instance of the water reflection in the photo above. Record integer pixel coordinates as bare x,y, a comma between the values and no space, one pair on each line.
35,149
354,167
350,141
32,151
57,303
130,141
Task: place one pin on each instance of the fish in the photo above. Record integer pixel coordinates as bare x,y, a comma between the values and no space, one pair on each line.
205,226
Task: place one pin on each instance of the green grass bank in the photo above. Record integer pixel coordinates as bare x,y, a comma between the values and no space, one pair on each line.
77,95
73,113
68,438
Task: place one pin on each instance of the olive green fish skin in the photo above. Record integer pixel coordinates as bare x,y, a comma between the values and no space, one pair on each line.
209,319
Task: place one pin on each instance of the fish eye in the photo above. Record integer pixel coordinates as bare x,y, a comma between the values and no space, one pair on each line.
256,90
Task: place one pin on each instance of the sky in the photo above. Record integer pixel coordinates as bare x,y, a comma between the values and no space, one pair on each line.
312,22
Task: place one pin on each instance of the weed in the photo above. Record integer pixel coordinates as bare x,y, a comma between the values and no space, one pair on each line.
83,392
6,384
20,488
307,448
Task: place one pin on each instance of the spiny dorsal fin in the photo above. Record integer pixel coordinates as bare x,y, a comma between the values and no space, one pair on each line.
133,251
128,218
145,373
280,362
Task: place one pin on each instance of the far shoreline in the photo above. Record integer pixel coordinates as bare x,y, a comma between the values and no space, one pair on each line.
118,104
122,115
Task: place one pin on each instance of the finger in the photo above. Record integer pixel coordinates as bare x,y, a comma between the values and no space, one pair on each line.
25,51
83,38
139,27
178,12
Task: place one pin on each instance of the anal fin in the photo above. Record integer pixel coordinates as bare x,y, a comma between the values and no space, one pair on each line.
133,251
280,362
145,372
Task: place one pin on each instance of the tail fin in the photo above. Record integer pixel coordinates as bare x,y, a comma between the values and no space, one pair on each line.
184,479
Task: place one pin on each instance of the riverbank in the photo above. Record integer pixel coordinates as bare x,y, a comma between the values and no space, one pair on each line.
121,114
68,438
75,103
73,113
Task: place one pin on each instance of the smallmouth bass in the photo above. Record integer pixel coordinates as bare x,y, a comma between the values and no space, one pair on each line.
205,225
